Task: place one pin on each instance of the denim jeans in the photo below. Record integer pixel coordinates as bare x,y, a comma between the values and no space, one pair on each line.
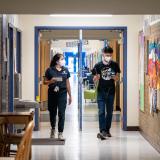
57,102
105,101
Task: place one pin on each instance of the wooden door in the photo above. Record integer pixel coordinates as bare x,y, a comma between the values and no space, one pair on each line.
114,45
121,80
44,59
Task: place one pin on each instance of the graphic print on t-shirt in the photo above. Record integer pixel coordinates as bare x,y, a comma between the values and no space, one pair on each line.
107,73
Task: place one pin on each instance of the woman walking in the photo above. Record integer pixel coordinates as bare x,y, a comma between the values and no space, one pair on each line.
57,79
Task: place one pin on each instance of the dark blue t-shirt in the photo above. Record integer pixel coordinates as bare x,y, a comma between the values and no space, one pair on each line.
53,72
106,72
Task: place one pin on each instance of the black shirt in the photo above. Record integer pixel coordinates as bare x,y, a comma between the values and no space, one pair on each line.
106,72
53,72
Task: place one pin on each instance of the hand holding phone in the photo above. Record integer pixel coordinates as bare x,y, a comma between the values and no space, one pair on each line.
59,79
53,80
56,79
96,77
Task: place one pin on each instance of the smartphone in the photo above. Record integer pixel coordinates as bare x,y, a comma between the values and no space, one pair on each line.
59,79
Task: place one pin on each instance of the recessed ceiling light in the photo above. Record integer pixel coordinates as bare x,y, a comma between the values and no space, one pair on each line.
81,15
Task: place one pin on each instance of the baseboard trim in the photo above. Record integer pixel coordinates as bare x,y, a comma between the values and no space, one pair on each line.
133,128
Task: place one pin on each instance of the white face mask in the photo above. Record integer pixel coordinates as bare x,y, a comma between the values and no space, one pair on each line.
107,59
61,63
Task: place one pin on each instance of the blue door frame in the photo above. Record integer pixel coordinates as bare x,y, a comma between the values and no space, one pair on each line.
11,31
80,66
11,69
18,49
122,28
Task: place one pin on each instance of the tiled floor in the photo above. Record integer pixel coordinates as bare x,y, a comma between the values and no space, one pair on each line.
85,146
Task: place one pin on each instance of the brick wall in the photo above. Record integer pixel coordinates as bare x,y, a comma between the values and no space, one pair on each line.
150,124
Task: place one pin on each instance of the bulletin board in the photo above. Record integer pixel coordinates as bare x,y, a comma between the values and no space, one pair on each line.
149,69
141,70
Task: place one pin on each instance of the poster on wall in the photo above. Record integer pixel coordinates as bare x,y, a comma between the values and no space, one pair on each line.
146,44
154,74
158,64
158,73
141,71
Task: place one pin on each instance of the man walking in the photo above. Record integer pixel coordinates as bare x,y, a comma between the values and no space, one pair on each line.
106,73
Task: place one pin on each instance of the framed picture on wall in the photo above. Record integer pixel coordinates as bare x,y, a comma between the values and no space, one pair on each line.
141,70
154,74
158,73
146,55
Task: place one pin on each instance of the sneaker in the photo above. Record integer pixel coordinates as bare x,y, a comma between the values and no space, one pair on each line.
52,134
60,136
108,134
101,136
104,134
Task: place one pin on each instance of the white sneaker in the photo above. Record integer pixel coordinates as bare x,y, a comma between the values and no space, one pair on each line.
60,136
52,134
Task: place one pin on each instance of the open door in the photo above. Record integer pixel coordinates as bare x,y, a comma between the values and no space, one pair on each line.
44,61
80,80
121,81
116,53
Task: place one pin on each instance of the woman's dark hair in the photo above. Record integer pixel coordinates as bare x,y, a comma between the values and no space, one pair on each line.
55,58
107,49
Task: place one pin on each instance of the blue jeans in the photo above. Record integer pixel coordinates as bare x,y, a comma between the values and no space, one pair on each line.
105,101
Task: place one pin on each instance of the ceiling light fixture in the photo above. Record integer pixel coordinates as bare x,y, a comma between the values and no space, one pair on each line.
81,15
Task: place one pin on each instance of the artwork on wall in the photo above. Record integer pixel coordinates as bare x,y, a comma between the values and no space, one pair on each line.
154,73
146,56
141,71
158,63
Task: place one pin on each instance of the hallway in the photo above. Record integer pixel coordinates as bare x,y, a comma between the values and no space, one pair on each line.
85,146
31,41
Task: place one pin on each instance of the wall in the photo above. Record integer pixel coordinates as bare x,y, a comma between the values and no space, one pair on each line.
1,51
12,19
28,22
150,123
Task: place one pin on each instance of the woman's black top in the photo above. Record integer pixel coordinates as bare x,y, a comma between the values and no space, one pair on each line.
53,72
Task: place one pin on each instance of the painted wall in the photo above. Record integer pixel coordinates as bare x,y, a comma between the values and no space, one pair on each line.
149,123
28,22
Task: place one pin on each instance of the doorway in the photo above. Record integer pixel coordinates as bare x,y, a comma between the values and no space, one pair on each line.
74,31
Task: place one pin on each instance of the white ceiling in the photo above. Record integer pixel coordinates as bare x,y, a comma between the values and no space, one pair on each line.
80,6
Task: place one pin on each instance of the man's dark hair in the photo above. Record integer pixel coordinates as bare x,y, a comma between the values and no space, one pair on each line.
107,49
